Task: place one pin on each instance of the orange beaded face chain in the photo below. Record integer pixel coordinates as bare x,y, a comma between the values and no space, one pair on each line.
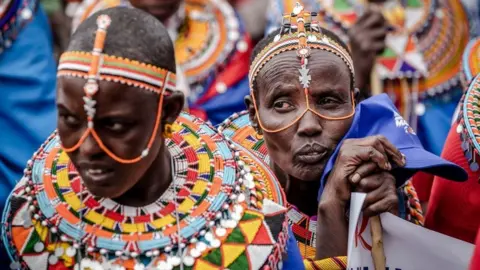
96,66
308,36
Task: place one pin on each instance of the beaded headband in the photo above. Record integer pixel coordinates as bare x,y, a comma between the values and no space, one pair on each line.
307,36
97,66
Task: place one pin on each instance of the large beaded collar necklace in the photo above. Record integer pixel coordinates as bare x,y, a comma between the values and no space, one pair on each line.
216,213
468,123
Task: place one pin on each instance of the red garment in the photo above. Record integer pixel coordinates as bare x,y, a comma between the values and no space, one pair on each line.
475,264
454,207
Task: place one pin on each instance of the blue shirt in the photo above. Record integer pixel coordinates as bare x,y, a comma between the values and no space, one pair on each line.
27,107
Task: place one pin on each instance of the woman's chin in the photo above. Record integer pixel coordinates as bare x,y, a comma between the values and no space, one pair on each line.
103,191
308,173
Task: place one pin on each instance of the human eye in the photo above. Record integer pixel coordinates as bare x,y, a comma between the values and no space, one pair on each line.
283,106
116,126
69,120
328,101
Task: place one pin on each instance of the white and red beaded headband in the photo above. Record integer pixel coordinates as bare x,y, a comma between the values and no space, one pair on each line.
97,66
307,36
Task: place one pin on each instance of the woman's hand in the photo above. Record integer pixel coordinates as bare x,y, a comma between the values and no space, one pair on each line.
360,164
380,189
367,40
374,151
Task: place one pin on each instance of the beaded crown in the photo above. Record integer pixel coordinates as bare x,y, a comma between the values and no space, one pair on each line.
300,31
97,66
304,36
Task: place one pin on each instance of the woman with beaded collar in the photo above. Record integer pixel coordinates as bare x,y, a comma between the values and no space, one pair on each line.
414,49
120,187
212,50
301,108
453,209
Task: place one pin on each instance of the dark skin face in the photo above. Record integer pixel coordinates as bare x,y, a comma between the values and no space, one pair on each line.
124,120
362,165
160,9
330,85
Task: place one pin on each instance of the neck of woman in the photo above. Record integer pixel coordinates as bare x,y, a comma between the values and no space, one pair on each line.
153,183
301,194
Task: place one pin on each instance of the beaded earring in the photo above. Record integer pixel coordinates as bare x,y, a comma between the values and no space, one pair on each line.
167,132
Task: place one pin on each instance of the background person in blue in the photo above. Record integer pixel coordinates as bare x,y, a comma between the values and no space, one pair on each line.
27,87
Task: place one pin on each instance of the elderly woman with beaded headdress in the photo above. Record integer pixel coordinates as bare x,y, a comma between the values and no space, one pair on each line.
211,46
410,50
127,182
303,120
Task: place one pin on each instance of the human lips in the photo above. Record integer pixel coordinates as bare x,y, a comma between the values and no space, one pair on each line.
96,173
311,154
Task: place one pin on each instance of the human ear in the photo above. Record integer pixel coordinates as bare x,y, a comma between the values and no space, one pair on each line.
172,106
252,113
356,95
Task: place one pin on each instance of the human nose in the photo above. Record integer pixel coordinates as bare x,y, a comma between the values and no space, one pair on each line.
90,147
309,125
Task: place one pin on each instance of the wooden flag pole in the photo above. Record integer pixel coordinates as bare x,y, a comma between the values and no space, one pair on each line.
375,82
378,254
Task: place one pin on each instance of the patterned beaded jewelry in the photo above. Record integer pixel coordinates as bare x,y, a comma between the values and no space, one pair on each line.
97,66
467,124
215,213
471,59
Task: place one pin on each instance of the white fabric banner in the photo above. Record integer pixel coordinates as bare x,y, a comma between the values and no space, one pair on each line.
406,245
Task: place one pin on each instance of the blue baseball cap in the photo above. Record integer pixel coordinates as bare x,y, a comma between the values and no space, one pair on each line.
378,116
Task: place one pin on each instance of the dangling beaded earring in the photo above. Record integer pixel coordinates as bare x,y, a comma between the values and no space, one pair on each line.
258,134
167,132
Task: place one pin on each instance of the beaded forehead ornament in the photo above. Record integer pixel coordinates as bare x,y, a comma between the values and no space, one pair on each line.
302,36
96,66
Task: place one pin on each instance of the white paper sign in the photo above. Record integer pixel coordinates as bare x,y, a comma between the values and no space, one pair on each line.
406,245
